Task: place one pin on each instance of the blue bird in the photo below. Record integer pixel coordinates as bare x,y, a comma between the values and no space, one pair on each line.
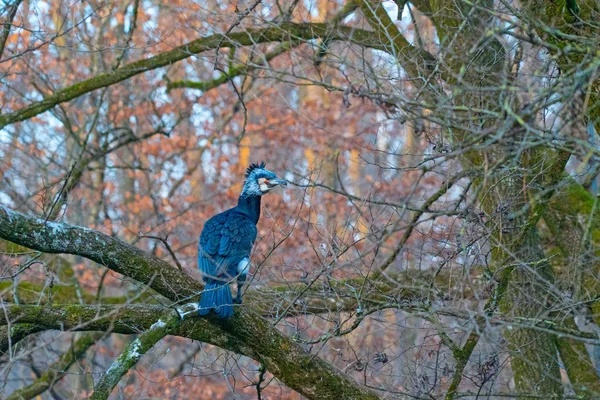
226,241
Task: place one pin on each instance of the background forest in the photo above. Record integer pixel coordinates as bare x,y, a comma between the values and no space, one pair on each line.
438,238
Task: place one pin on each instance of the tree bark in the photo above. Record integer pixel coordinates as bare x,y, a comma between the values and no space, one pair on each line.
245,333
281,33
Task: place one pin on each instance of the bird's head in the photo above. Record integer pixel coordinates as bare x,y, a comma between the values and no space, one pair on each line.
260,180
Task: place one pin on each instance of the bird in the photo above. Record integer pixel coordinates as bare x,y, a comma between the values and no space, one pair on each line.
226,241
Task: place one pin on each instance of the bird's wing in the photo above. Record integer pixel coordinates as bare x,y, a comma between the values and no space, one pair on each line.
208,246
226,239
237,236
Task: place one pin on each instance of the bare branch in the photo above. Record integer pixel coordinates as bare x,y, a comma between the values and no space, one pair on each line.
166,243
58,370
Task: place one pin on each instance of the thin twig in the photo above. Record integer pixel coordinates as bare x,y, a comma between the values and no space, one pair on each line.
241,16
57,371
425,208
261,379
101,284
132,28
60,194
169,249
29,264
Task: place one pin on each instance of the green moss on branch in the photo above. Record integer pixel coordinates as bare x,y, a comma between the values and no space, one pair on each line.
579,366
281,33
33,293
10,336
52,237
233,71
132,354
245,333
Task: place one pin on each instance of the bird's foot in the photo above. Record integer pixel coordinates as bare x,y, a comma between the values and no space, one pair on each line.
202,312
237,300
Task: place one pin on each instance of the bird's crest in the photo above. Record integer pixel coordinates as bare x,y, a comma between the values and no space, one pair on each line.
254,166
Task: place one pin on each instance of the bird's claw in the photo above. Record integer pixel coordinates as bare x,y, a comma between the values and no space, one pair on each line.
237,301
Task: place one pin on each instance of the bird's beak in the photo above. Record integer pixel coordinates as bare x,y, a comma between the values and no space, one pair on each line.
276,182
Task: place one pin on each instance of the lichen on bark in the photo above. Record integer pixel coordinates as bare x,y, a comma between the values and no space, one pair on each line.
251,335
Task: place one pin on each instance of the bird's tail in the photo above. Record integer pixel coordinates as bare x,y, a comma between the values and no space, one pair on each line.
216,296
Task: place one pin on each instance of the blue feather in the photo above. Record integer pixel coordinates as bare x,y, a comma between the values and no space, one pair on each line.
216,296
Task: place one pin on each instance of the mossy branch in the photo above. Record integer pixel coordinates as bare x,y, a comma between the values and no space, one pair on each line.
283,32
320,297
578,364
246,333
563,217
580,16
417,63
13,334
53,237
132,354
233,71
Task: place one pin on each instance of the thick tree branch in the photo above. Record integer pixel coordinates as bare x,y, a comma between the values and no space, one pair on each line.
321,297
52,237
557,25
245,333
563,217
282,33
132,354
417,63
233,71
11,335
578,364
